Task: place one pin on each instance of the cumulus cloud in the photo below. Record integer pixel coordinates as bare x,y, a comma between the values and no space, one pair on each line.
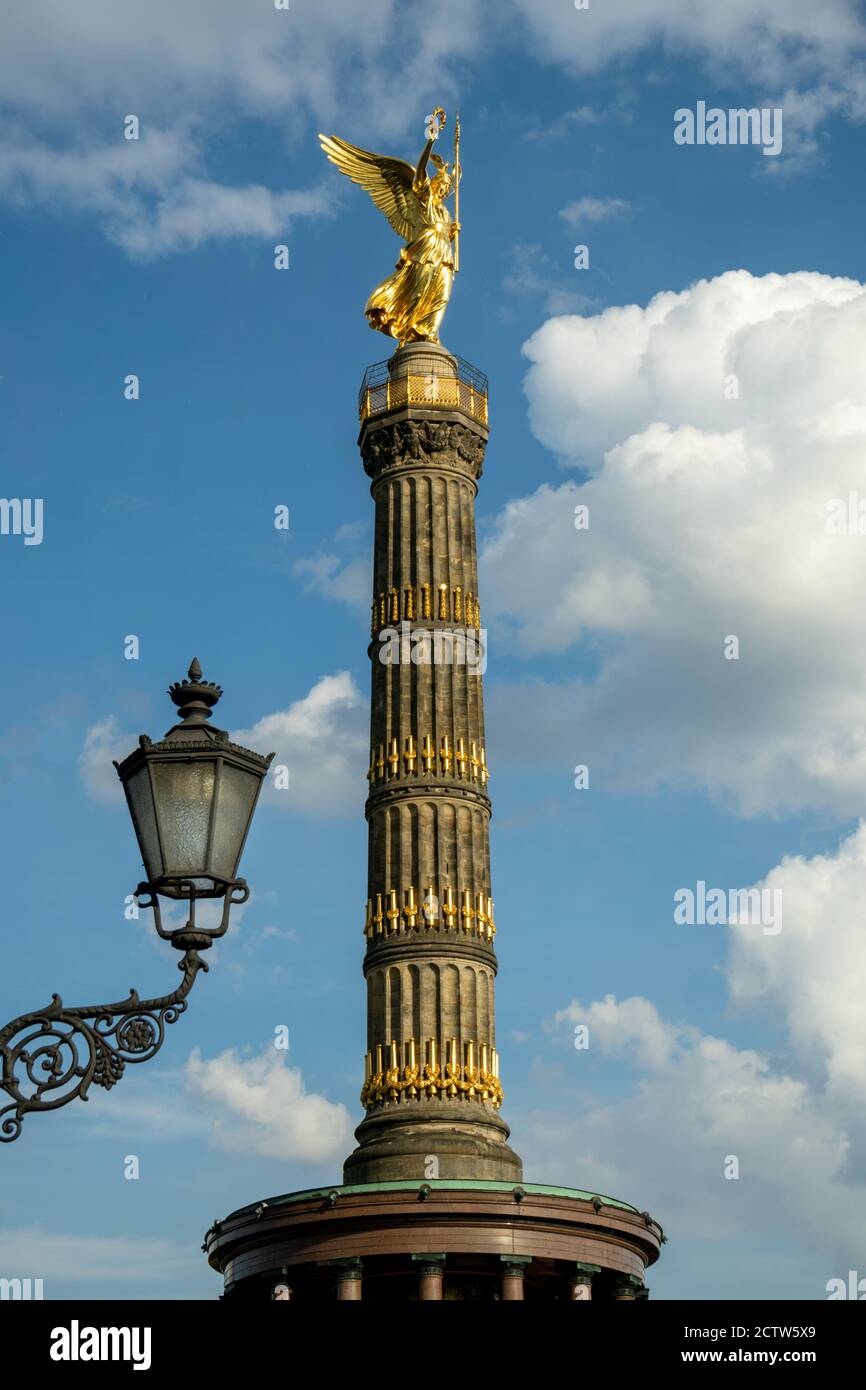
795,1125
264,1109
323,739
714,428
634,1023
814,973
697,1101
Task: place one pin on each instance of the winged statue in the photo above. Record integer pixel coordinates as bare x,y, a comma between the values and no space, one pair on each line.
409,305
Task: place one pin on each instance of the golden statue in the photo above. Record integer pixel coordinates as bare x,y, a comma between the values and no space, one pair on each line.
409,305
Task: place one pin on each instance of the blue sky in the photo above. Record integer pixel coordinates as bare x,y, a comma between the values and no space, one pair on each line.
707,518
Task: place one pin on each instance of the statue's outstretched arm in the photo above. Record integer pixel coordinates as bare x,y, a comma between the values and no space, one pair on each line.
421,167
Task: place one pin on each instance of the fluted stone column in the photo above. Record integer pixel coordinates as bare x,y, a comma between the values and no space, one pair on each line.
431,1085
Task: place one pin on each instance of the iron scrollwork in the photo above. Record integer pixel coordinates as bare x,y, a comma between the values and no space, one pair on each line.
54,1055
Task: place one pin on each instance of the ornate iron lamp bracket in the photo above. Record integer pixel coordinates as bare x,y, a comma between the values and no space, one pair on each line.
54,1055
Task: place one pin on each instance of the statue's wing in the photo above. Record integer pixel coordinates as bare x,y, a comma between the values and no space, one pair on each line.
388,182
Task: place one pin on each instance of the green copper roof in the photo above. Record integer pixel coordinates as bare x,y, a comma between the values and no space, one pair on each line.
440,1185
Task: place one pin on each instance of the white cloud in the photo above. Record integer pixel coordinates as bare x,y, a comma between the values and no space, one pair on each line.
592,210
345,580
200,210
796,1126
806,57
315,57
149,194
215,55
707,518
323,739
264,1109
632,1023
746,33
104,742
595,382
814,971
70,74
698,1100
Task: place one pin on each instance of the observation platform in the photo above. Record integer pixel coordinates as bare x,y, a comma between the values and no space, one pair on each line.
422,374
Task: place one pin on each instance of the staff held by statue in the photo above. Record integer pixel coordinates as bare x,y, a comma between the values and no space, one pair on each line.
457,173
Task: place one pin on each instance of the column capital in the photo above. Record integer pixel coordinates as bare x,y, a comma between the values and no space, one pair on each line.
401,444
626,1286
431,1276
511,1278
351,1267
435,1264
517,1262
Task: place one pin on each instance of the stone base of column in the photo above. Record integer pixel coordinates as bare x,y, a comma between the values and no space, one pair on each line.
433,1139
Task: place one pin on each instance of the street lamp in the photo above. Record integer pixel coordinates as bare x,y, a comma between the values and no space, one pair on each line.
191,798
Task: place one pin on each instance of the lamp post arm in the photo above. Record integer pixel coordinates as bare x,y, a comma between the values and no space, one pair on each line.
58,1053
54,1055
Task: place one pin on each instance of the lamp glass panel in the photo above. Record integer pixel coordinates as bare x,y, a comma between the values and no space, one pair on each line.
184,793
141,799
237,796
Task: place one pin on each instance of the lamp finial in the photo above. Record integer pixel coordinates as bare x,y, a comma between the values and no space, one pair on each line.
194,697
